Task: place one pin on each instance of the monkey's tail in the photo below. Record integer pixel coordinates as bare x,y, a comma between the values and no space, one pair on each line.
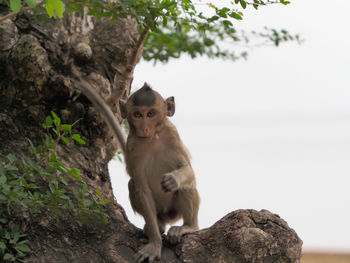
104,110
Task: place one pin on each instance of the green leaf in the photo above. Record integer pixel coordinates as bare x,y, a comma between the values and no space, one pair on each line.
52,187
61,168
22,248
77,138
104,219
15,229
243,4
76,174
48,122
15,5
24,204
227,23
67,128
23,241
56,119
64,181
15,238
85,188
31,3
223,12
165,21
39,149
3,179
11,158
235,16
53,157
2,245
12,168
74,171
59,7
99,194
65,140
49,10
285,2
65,197
8,256
213,18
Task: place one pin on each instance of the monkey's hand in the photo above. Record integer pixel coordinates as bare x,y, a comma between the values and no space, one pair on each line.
170,182
150,251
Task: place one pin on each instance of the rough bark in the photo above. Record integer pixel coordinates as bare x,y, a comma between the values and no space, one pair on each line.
35,78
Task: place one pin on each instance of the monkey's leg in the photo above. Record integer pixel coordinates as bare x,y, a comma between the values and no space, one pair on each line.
187,204
134,204
161,226
143,203
132,196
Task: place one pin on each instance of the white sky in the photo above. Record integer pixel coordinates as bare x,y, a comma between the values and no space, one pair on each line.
272,132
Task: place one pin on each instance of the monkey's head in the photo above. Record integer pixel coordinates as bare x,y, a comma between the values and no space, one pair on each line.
146,110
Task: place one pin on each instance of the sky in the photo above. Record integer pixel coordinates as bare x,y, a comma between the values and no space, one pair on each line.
270,132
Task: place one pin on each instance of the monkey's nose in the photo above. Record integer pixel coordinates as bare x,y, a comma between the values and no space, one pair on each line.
147,131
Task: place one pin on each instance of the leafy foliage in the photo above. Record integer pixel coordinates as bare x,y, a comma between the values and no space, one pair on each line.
12,243
176,26
20,190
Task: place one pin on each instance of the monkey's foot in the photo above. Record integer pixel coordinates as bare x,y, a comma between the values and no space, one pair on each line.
149,251
161,227
176,232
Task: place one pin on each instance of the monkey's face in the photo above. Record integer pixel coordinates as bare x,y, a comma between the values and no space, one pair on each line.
146,111
145,121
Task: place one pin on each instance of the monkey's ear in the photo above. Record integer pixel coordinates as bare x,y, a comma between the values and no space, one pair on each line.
122,107
170,102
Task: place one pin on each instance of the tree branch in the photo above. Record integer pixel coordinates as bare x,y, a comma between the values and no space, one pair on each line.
23,9
125,82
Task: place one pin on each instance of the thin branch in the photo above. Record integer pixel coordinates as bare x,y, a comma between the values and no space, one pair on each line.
118,92
23,9
138,48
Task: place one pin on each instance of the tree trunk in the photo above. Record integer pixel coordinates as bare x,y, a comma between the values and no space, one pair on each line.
36,59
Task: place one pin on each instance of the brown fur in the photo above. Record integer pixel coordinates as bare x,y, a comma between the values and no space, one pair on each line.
162,187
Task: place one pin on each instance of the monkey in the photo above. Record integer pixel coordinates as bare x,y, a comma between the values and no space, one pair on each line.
162,185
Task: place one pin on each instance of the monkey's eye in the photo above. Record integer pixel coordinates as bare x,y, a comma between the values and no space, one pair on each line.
151,114
137,115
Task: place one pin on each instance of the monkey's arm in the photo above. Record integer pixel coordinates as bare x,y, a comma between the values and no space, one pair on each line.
179,178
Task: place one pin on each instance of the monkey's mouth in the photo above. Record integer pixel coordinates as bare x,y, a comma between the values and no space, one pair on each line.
144,137
150,137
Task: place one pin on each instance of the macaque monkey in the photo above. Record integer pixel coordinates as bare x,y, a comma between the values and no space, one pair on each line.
162,187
